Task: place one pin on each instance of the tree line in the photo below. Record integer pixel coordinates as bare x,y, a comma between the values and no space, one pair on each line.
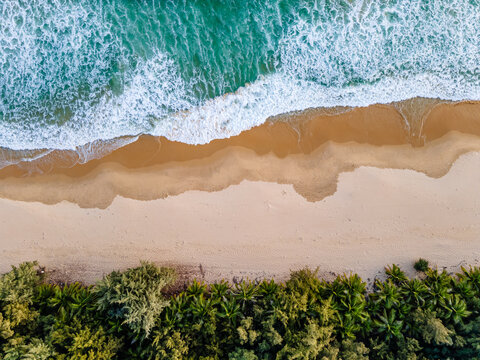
132,315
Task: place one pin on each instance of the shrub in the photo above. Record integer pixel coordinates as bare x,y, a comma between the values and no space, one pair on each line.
135,296
93,344
18,285
421,265
430,328
36,349
17,315
242,354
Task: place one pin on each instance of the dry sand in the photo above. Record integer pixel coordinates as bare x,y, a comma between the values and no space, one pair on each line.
376,217
352,191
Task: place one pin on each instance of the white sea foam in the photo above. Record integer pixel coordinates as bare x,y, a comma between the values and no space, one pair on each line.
370,53
136,111
277,94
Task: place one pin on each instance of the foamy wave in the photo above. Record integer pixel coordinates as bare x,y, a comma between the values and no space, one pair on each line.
71,81
279,94
152,92
43,160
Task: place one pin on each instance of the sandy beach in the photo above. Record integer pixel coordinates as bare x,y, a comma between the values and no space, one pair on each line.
342,190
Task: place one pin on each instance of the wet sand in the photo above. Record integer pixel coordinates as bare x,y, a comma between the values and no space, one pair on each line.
345,190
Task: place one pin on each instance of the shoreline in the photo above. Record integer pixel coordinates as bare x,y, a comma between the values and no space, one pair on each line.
314,176
352,191
416,121
308,150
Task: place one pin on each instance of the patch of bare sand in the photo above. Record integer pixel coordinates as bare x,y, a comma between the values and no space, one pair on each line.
259,229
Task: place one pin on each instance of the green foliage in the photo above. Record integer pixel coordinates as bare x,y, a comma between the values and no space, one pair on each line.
395,273
430,328
5,328
135,296
307,344
35,349
167,344
351,350
88,344
79,341
18,285
17,315
67,301
126,316
242,354
421,265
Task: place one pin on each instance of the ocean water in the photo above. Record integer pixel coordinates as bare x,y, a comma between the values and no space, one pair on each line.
74,72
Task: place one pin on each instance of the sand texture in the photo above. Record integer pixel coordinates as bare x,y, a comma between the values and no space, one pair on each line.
342,190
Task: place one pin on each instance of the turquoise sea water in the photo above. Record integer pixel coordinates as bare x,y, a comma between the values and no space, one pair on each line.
76,71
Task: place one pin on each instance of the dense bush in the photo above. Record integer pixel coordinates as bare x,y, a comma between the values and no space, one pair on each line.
126,316
135,296
421,265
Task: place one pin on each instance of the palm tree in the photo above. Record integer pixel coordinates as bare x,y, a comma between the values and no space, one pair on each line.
196,288
454,308
245,292
472,276
230,310
396,274
220,290
414,292
388,325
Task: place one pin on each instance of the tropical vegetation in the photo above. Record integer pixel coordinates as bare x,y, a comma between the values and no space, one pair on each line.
137,314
